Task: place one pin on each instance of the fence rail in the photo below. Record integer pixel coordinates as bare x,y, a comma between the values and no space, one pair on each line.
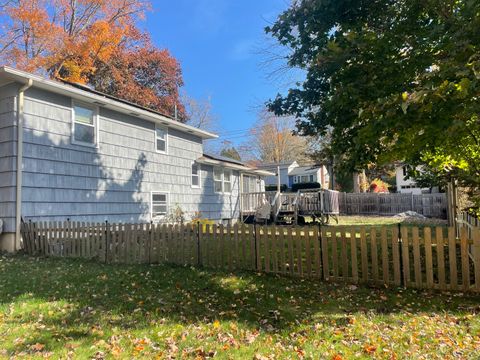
430,258
430,205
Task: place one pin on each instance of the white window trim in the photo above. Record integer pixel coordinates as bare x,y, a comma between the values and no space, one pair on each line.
214,180
95,123
164,128
222,169
151,203
223,181
199,170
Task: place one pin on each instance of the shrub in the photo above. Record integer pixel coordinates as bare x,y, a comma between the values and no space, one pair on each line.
283,188
302,186
379,186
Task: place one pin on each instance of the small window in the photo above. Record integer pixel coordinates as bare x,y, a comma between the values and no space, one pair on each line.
217,180
159,204
195,175
311,178
227,181
84,128
161,139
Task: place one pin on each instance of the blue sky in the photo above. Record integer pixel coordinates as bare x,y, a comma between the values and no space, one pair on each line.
216,43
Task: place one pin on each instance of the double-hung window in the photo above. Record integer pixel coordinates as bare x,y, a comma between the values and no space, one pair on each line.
222,180
195,175
218,180
161,141
159,204
84,124
227,181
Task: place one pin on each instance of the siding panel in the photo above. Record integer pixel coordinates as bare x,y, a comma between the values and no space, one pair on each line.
114,181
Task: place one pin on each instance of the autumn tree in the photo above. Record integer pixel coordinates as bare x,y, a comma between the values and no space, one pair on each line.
96,42
272,140
147,74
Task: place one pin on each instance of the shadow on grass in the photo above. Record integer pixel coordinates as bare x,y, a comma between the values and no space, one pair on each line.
85,299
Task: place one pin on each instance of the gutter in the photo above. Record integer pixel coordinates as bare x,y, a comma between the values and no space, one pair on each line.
20,121
103,101
241,168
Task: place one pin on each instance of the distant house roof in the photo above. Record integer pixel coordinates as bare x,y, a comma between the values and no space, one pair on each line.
302,170
83,93
210,159
274,165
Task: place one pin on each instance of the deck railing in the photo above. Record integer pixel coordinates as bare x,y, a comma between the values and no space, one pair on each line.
252,201
302,202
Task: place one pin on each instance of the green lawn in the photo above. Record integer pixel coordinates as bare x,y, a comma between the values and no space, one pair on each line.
83,310
386,220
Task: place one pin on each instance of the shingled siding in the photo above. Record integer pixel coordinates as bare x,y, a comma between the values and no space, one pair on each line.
8,151
114,181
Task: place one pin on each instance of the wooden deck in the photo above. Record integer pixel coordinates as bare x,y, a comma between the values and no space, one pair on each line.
292,205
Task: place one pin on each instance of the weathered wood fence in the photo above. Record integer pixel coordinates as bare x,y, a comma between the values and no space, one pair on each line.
467,221
430,205
430,258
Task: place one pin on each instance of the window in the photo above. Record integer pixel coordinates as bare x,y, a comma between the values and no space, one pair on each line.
195,175
161,139
84,124
249,184
304,179
222,180
227,181
217,180
159,204
311,178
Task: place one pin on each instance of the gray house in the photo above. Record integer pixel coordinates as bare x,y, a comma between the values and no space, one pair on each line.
69,152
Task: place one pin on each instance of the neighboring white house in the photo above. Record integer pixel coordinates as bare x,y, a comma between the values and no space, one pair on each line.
310,174
292,173
404,185
285,169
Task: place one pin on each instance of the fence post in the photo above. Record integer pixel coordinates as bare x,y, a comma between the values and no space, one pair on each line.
320,240
476,256
106,241
199,254
255,242
400,252
150,242
31,237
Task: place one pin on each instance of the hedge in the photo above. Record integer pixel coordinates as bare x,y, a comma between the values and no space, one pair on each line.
283,188
302,186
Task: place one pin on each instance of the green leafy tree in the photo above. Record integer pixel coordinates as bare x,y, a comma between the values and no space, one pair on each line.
388,80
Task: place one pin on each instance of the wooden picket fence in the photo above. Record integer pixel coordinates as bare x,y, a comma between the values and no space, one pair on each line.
427,258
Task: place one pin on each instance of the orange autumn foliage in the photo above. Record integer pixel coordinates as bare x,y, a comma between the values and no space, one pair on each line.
83,40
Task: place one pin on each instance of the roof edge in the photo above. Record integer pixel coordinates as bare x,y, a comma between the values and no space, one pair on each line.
107,102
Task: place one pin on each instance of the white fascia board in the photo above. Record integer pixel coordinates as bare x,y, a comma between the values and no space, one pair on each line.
241,168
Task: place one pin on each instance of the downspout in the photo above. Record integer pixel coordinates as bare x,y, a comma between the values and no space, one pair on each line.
20,121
